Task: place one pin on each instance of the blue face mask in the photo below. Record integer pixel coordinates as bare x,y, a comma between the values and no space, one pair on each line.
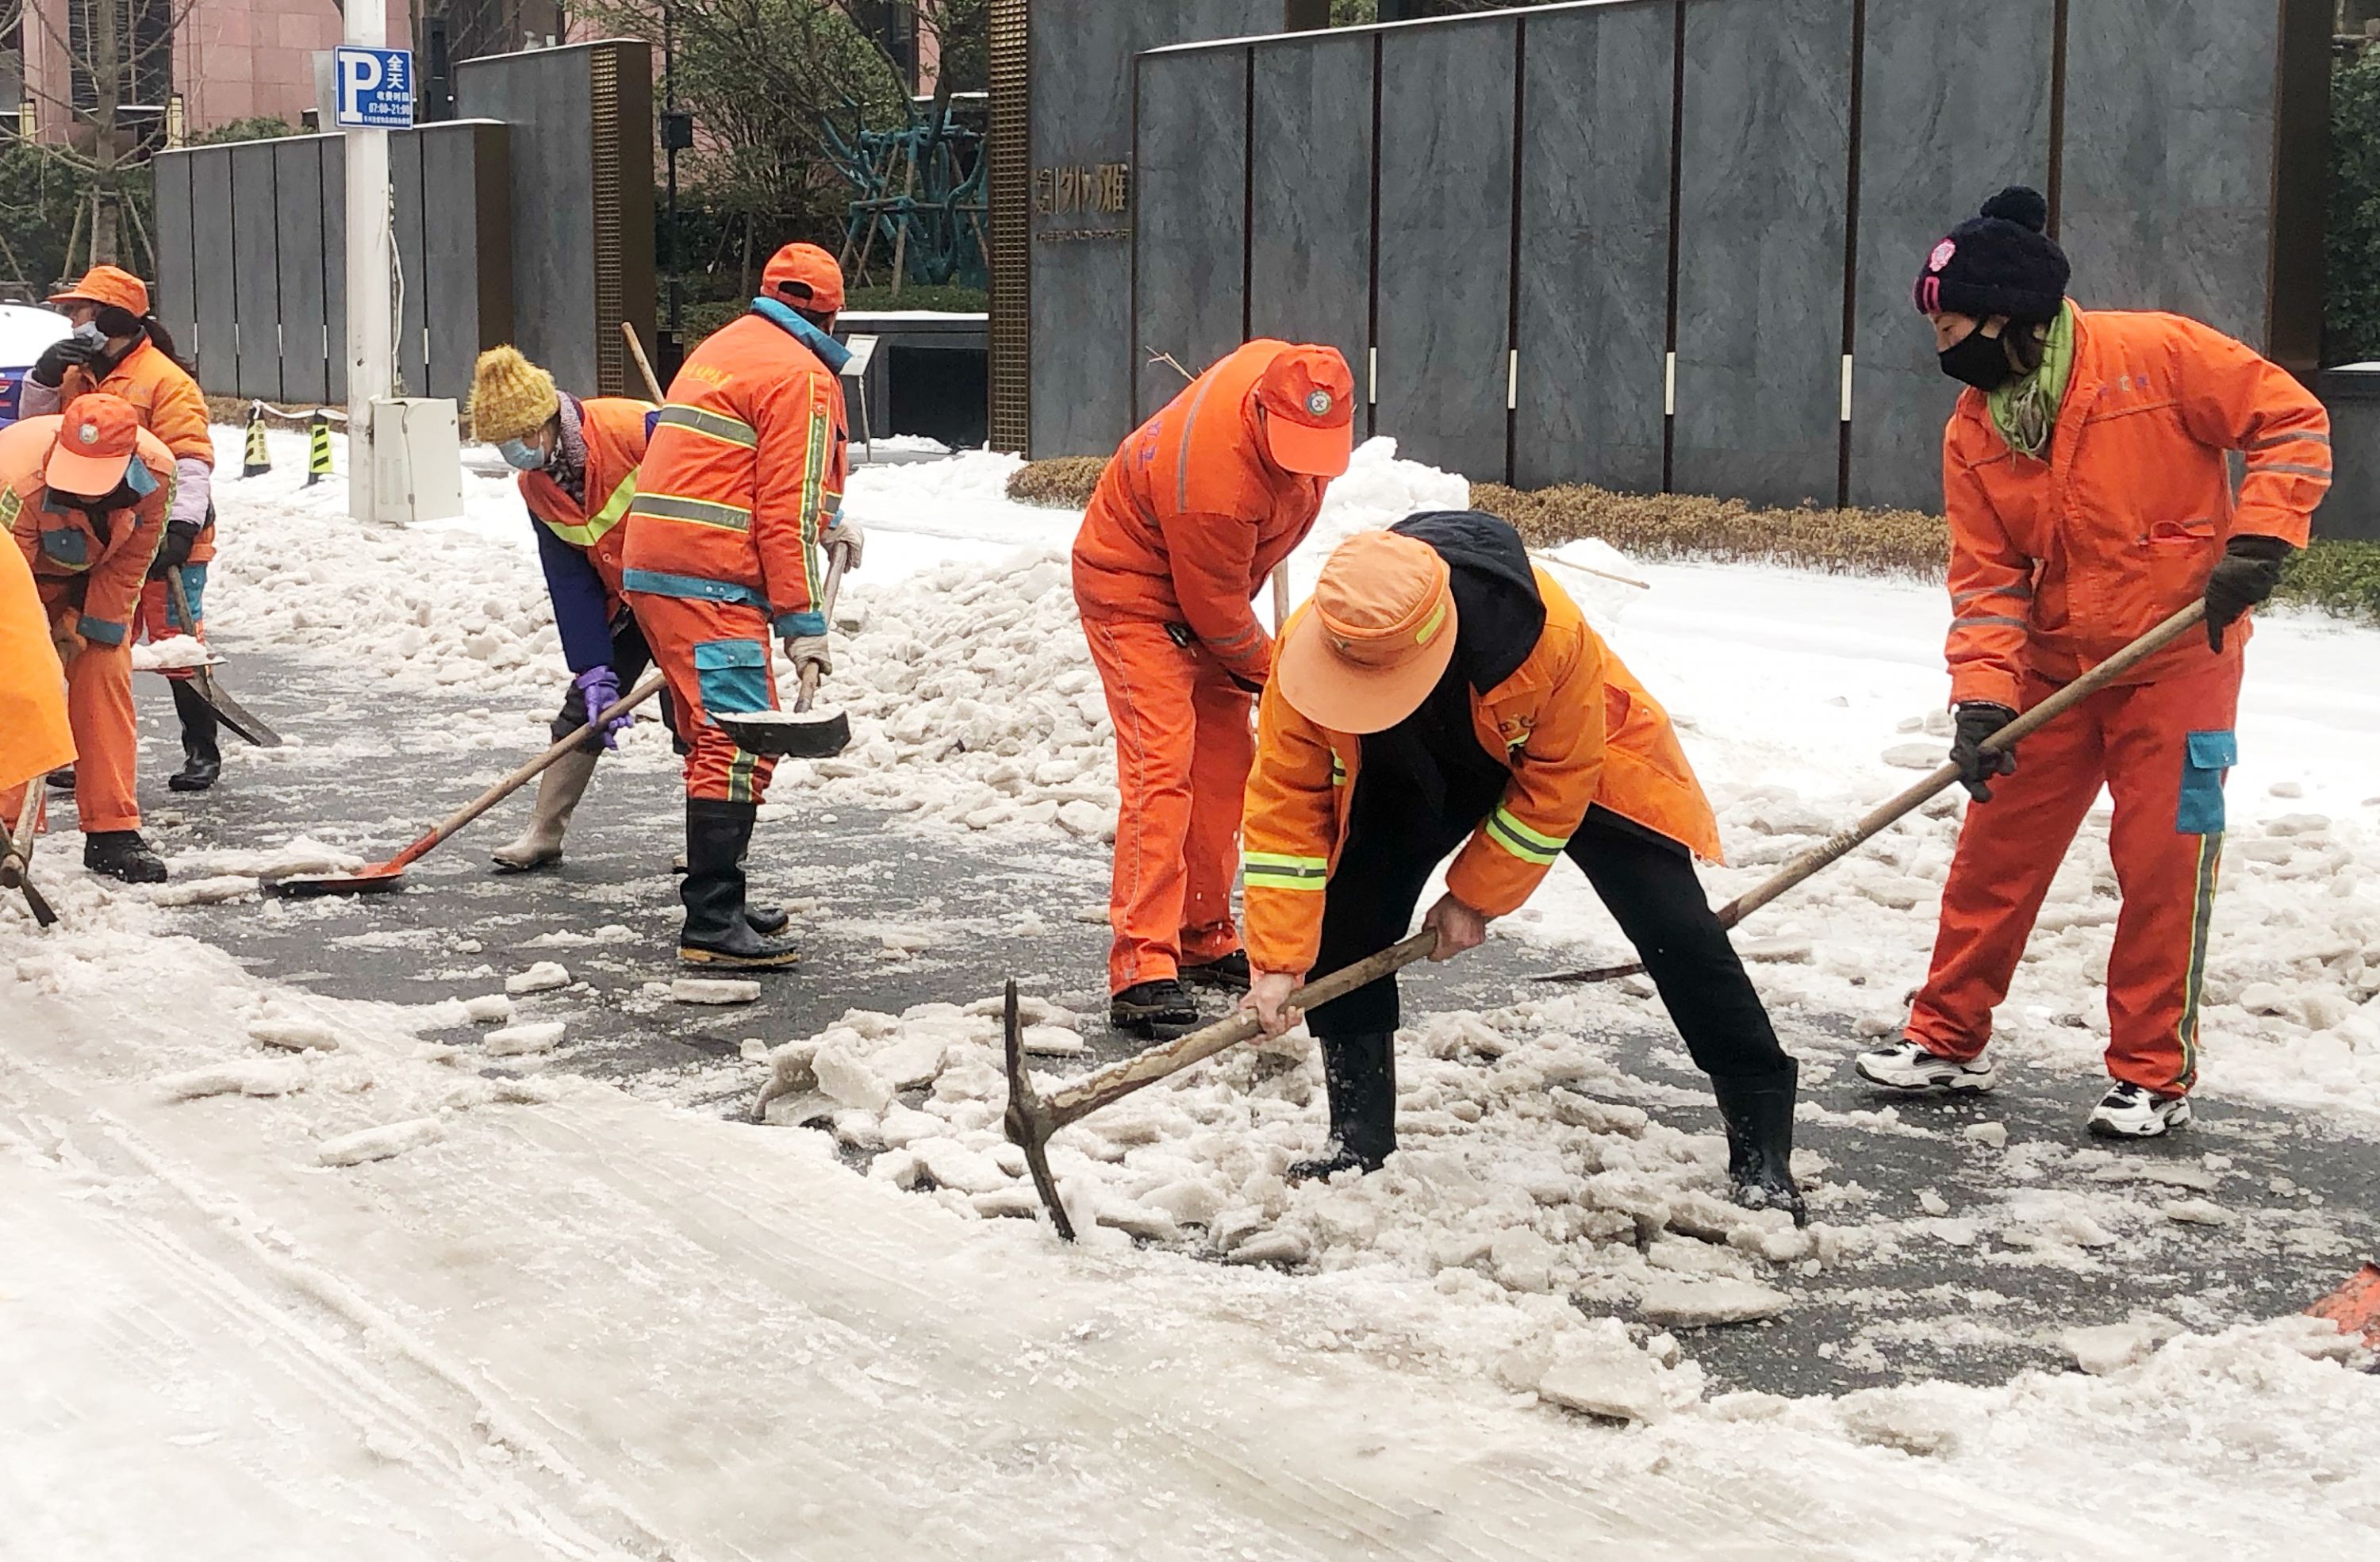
520,455
88,331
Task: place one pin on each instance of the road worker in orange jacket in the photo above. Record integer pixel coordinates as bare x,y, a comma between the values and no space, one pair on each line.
1439,693
2084,472
1189,519
739,496
86,496
118,346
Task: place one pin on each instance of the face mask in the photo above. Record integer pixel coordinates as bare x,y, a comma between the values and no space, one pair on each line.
88,331
1978,360
520,454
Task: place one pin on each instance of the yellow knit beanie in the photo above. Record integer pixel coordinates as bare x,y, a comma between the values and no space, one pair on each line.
511,397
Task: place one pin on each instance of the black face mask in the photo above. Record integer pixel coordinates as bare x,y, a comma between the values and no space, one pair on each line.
1978,360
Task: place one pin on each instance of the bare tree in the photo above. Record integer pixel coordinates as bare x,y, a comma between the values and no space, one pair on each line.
118,45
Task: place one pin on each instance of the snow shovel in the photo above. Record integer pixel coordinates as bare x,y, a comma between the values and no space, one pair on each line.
1033,1117
229,711
801,732
375,879
16,860
1843,842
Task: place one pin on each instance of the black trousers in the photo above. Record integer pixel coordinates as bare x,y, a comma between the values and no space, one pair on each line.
630,659
1645,879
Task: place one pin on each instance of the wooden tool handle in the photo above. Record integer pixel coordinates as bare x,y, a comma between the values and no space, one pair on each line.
644,364
19,854
1280,598
1118,1080
644,691
805,694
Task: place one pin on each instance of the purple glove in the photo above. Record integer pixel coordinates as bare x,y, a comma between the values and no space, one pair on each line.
600,686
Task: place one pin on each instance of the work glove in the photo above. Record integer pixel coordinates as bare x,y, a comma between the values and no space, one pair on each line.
175,552
1978,720
2244,575
67,352
844,533
599,687
808,649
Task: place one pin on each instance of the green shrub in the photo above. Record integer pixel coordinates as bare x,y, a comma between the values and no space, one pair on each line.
2337,577
1680,526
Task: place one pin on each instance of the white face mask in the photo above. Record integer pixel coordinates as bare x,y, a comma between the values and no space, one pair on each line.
88,331
520,454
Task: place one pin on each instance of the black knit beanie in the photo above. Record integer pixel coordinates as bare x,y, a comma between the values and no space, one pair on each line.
1999,262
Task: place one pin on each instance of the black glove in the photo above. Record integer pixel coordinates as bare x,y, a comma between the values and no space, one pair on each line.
2244,575
1978,720
51,367
175,552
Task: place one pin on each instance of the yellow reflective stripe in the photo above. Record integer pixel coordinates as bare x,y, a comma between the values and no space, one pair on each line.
604,520
1337,770
1527,844
677,507
813,484
717,425
1276,870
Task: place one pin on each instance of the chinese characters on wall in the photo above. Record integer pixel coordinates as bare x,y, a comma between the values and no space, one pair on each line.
1099,198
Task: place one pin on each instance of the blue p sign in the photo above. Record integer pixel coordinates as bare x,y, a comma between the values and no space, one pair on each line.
375,87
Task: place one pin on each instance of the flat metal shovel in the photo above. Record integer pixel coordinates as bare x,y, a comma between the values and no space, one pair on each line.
801,732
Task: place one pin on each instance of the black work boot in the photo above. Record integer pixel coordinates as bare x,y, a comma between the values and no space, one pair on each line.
121,854
1227,974
202,759
1158,1011
716,932
62,778
1360,1075
1758,1112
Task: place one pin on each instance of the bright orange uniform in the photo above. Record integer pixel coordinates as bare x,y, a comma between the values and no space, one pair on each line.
1186,524
2054,566
1572,724
89,579
613,428
34,735
744,469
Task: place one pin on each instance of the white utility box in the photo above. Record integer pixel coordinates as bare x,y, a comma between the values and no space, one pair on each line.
417,460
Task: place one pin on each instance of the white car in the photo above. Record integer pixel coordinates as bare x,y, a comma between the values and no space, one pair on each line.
25,332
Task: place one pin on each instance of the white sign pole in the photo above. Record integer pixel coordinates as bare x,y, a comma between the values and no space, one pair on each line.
370,259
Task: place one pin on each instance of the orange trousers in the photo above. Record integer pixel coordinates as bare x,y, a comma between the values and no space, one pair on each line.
2161,749
1184,742
99,713
715,657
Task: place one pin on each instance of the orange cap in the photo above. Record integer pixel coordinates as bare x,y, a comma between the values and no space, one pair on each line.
1309,405
105,285
96,438
810,267
1377,638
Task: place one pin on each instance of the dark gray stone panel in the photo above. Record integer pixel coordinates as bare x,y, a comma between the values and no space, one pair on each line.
413,290
1445,246
1310,233
1765,148
2351,508
546,97
1956,106
335,261
256,270
2168,183
451,255
306,348
173,298
1595,247
1192,159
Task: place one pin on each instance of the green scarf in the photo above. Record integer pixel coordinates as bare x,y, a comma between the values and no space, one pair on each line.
2025,411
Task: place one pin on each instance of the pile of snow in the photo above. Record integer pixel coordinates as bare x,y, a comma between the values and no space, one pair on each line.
174,652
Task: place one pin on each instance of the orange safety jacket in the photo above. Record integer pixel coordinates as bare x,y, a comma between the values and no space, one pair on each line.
35,737
109,562
613,430
744,469
169,405
1572,723
2057,564
1189,518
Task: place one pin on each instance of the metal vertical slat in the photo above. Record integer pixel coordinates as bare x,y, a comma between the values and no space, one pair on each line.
611,292
1009,150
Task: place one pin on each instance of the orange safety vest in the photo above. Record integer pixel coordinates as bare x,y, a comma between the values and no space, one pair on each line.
169,404
1189,518
2057,564
744,469
614,429
101,570
1573,725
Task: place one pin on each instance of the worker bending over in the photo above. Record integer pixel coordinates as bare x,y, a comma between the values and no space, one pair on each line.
1437,692
1189,518
2085,477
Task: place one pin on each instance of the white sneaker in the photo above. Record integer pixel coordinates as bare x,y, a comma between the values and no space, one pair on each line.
1905,1065
2130,1111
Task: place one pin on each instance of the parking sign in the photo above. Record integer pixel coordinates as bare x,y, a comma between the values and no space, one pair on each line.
375,87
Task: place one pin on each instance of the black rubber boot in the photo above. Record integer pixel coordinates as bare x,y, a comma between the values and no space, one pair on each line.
716,933
1158,1011
121,854
766,921
1758,1112
62,778
202,759
1361,1073
1229,974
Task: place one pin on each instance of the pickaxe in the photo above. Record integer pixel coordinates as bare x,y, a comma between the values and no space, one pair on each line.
1033,1117
16,855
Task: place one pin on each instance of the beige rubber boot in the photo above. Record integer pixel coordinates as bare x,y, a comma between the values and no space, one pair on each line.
558,792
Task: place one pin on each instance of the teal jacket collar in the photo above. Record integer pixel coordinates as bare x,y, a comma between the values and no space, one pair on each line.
831,353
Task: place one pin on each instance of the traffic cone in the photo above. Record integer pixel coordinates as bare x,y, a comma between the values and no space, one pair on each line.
318,448
258,459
